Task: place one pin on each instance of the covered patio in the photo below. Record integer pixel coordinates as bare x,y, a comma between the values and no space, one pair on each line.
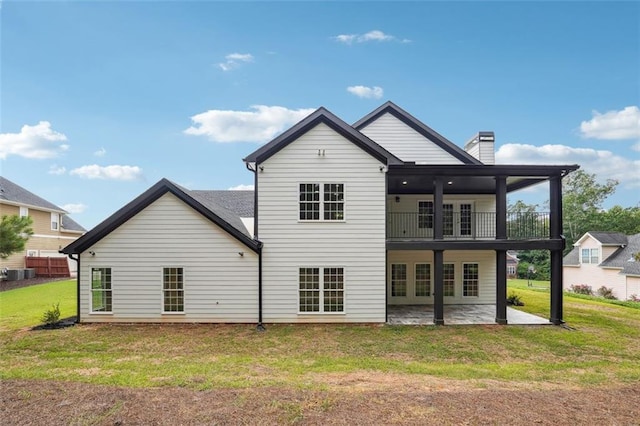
458,315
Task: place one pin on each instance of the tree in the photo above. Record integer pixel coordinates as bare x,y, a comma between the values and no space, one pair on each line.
539,259
14,233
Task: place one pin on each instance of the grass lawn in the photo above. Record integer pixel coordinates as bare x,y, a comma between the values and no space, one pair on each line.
600,349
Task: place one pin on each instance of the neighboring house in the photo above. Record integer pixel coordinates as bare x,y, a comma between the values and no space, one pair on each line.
512,264
347,219
606,259
52,228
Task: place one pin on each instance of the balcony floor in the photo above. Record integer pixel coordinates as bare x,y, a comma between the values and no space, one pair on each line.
458,315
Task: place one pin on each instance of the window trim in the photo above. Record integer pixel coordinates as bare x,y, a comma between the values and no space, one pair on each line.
406,279
321,185
91,290
415,279
57,221
589,259
426,216
162,290
24,211
478,280
321,290
453,264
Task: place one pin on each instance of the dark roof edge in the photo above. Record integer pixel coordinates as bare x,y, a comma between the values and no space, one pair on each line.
523,170
322,115
418,126
140,203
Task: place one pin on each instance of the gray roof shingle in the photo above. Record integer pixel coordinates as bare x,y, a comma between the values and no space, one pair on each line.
239,202
623,257
69,224
572,258
15,193
609,238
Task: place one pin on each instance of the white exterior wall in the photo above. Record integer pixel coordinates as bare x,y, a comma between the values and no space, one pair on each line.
357,244
486,260
405,143
219,284
633,286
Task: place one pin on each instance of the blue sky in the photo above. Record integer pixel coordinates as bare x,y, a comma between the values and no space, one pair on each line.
100,100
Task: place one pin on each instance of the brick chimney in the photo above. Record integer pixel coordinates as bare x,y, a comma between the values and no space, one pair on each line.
482,147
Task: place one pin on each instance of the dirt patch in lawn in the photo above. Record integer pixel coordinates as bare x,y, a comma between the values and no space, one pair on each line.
27,402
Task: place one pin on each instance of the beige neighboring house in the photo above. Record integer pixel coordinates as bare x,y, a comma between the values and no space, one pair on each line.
605,259
53,229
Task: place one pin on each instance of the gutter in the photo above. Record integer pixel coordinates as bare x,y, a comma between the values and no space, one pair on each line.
260,326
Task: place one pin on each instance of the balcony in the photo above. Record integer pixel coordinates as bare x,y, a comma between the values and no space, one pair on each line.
467,225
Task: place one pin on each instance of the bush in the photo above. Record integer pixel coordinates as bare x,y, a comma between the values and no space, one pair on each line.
605,292
581,289
634,298
52,316
514,299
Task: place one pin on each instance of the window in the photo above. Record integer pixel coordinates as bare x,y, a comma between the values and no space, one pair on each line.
470,279
423,279
100,289
55,219
447,219
425,214
590,255
330,201
328,287
448,280
173,289
24,211
398,280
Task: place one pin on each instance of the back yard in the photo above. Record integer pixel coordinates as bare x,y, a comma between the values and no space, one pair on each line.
586,373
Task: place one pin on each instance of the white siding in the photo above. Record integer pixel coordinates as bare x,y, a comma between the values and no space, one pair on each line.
405,143
486,260
219,284
356,244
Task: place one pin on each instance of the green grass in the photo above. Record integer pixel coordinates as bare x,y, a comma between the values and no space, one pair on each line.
600,350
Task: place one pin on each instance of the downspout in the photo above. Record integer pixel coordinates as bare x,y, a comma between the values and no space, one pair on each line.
77,259
260,326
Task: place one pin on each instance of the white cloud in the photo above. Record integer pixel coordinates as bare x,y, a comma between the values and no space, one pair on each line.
57,170
74,208
636,147
38,141
100,153
241,187
374,35
234,60
260,125
605,164
114,172
624,124
374,92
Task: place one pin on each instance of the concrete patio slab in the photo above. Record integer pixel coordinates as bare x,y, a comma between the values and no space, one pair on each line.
458,315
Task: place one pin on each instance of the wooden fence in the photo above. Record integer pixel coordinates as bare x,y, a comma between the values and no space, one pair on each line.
48,266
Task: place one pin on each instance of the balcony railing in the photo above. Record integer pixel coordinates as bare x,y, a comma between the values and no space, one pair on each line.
467,226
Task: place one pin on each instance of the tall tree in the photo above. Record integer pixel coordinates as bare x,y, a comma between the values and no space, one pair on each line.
14,233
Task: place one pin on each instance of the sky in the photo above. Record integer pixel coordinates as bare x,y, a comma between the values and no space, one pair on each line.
100,100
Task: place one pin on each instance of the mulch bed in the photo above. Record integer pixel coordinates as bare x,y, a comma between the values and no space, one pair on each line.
11,285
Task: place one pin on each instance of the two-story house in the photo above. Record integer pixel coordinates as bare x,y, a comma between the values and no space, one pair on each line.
52,227
347,221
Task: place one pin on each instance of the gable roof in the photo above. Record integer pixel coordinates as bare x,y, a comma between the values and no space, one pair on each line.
322,115
604,238
71,225
621,258
15,194
226,219
572,258
239,202
418,126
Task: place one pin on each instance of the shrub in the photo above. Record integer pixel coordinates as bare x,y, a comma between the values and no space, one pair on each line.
514,299
52,316
581,289
634,298
605,292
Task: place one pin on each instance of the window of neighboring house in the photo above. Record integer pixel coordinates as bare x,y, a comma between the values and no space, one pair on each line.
590,255
55,220
316,198
327,287
24,211
425,214
101,290
173,289
470,279
448,279
423,279
398,280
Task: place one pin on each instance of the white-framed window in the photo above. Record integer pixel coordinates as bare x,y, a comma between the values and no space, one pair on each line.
321,292
448,280
423,279
173,290
590,255
101,295
425,214
398,280
32,253
55,221
470,280
321,202
24,211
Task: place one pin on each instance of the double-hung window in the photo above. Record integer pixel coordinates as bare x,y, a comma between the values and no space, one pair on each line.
101,290
590,255
321,201
423,279
55,220
470,279
321,290
449,280
425,214
173,290
24,211
398,280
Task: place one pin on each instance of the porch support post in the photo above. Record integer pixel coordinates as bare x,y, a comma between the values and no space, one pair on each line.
438,288
501,207
501,286
437,209
555,231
